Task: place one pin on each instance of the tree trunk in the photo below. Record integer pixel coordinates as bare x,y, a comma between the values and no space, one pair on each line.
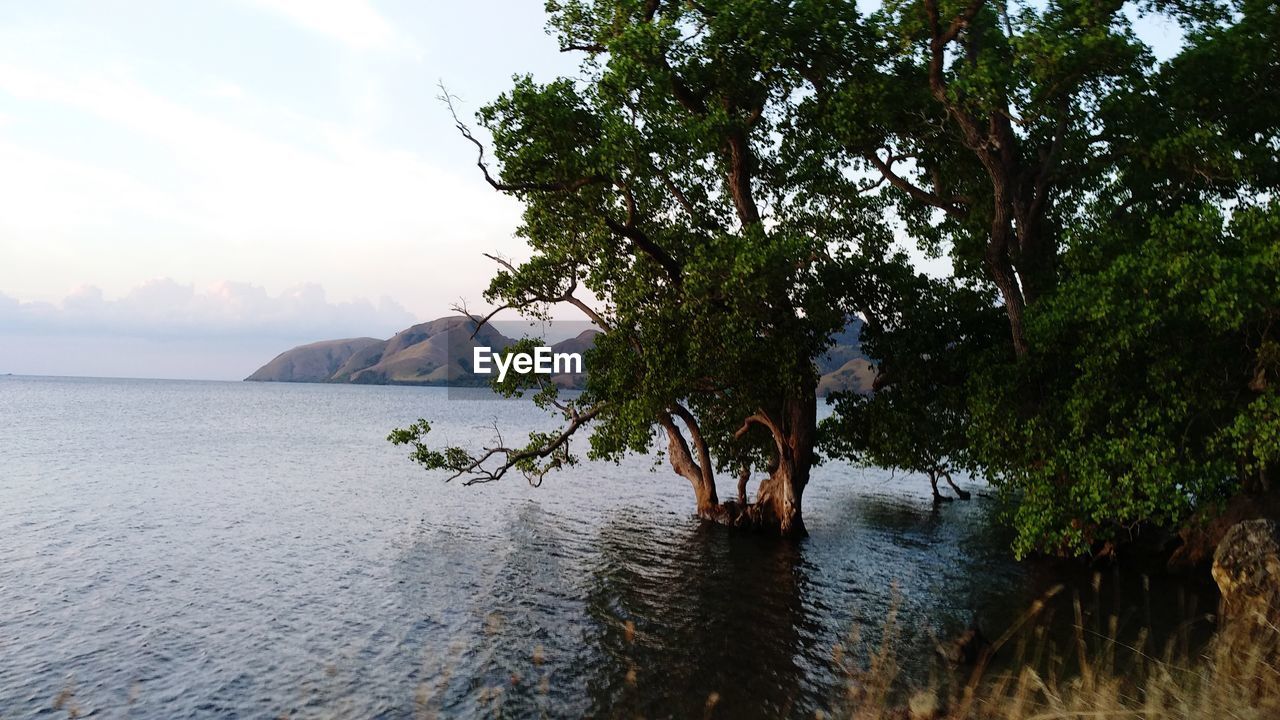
777,507
699,476
778,500
782,491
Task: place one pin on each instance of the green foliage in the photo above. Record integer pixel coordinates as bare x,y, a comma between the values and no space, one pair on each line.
450,459
917,419
530,460
1154,380
724,182
1125,206
659,200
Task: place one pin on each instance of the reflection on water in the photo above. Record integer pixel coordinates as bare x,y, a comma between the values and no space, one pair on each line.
702,612
242,550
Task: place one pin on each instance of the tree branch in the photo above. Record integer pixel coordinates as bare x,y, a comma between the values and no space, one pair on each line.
938,41
695,434
478,473
761,418
630,231
678,450
558,186
592,48
565,297
916,192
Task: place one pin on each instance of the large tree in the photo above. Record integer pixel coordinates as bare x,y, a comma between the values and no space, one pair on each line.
659,202
717,191
1121,207
987,123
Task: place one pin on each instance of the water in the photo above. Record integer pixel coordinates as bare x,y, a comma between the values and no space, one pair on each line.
200,549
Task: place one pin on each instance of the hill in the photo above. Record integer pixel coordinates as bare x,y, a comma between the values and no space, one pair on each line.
316,362
439,352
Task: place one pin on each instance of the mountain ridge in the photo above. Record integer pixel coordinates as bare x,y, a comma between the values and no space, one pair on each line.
439,352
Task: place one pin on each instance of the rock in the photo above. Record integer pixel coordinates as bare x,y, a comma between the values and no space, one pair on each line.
1246,567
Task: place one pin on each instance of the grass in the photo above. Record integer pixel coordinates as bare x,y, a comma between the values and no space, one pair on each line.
1235,675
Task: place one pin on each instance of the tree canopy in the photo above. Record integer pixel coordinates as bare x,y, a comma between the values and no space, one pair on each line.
728,182
660,201
1123,209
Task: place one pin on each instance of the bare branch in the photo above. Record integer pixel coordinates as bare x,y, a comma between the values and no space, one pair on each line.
501,261
560,186
565,297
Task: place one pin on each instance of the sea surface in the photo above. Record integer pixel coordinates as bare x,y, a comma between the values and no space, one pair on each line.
180,549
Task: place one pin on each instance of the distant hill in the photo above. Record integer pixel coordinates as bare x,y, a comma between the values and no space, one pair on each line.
317,362
579,344
440,352
844,367
430,353
857,374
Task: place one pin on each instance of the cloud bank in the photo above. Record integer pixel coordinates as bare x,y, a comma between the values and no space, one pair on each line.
166,309
164,329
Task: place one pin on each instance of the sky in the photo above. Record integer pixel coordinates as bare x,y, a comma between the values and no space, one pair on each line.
189,188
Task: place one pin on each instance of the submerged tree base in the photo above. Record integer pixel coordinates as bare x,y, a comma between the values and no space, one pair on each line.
755,517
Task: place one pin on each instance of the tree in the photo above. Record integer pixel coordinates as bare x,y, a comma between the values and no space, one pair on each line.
718,194
986,122
1121,207
917,417
1158,380
660,203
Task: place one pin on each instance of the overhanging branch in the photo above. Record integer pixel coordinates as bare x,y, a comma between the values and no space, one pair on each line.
476,471
568,185
918,193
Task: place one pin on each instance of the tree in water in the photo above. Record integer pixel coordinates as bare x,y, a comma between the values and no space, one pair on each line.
916,419
717,195
661,202
1123,209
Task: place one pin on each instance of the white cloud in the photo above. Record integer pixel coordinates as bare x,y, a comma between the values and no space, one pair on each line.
354,23
225,90
323,177
163,308
40,189
293,195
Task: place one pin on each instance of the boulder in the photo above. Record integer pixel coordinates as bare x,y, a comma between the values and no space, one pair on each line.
1246,567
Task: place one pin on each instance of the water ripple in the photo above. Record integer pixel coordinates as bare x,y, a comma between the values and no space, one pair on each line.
222,550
